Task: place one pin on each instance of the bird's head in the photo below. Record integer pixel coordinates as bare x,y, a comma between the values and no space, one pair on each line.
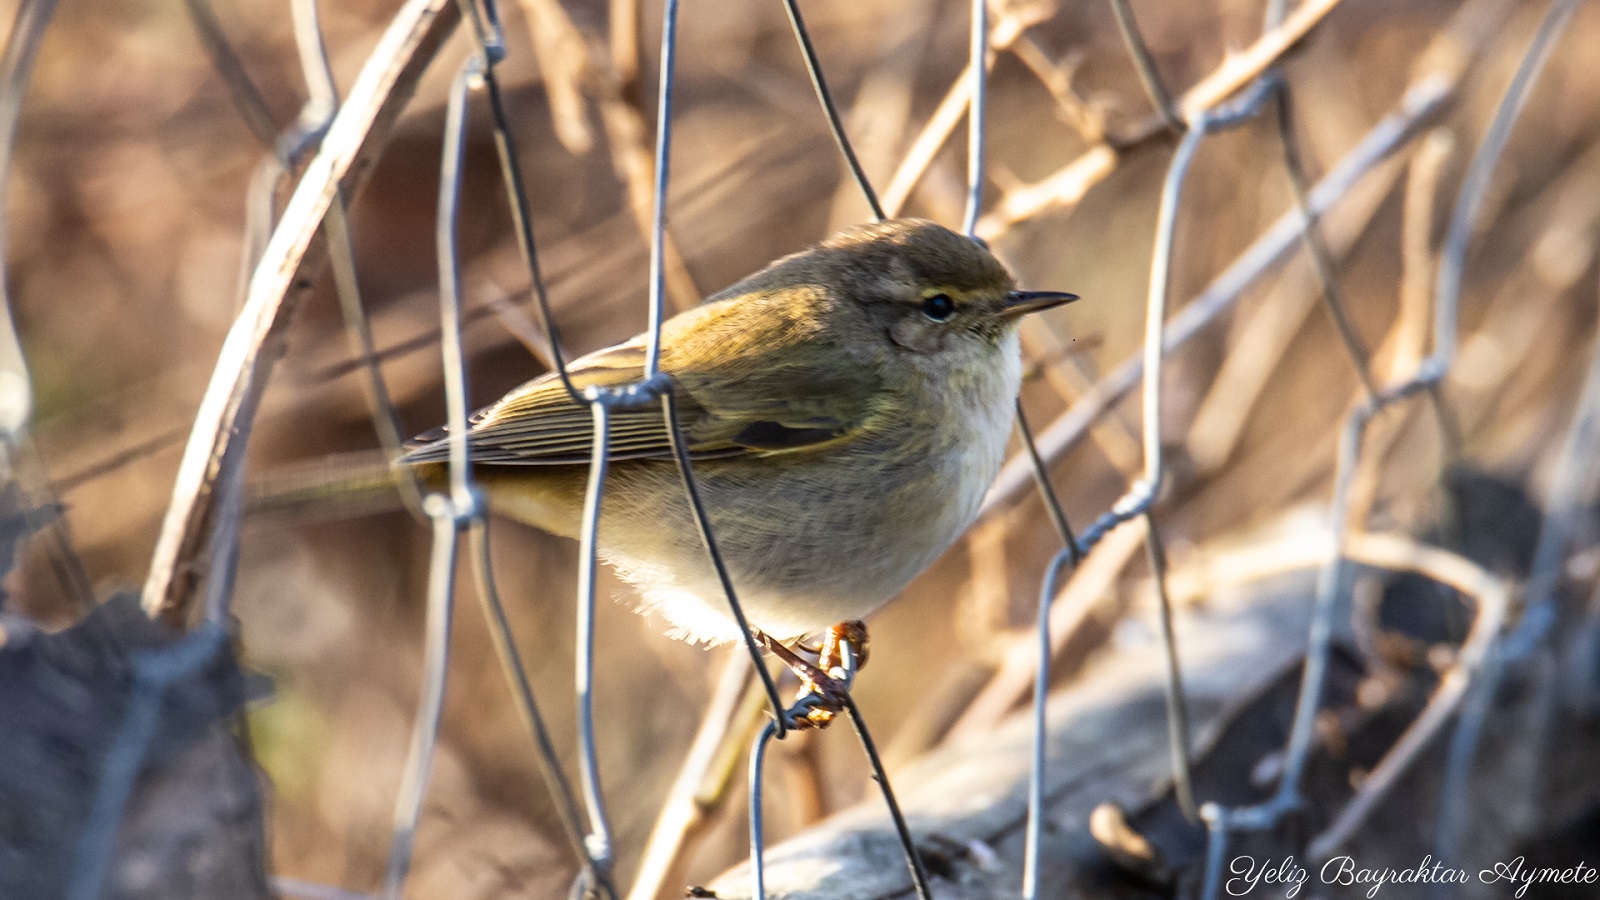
910,284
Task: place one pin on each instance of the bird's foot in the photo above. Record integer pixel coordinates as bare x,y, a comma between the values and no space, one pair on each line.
824,684
844,647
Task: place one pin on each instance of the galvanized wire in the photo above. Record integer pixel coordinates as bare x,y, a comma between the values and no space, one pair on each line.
597,843
461,490
658,385
1428,375
979,43
598,840
322,103
825,97
702,521
430,706
1144,492
654,385
1034,829
978,71
155,671
919,877
658,225
318,110
1421,105
285,150
247,98
846,673
298,889
1135,502
16,68
463,507
593,844
322,93
521,213
545,756
1178,730
19,457
1047,491
1316,247
1145,64
234,393
756,784
1575,465
1475,188
347,288
449,512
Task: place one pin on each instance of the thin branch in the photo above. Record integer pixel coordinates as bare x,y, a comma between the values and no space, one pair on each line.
1422,104
291,256
1069,183
1491,596
682,814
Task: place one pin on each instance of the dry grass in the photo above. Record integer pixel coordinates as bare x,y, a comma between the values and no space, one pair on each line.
127,206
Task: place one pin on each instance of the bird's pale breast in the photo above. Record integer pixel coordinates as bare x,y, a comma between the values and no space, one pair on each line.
812,539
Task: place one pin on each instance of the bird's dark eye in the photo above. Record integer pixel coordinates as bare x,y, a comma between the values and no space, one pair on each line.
939,307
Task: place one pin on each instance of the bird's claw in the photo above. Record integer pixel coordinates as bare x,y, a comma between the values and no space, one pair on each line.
824,685
813,708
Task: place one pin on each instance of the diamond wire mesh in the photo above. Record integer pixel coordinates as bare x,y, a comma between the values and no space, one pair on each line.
462,508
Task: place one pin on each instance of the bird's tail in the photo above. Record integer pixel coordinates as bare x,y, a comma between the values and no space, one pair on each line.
342,486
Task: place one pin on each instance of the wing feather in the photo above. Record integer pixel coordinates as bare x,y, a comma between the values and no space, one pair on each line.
751,410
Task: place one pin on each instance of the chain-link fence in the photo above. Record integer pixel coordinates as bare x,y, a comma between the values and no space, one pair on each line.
1295,720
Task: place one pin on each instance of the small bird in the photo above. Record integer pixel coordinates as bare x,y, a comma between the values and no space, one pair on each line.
846,409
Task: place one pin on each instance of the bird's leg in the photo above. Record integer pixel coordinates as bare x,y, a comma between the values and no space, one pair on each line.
807,671
825,683
817,701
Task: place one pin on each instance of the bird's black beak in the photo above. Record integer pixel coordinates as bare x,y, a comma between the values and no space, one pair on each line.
1020,303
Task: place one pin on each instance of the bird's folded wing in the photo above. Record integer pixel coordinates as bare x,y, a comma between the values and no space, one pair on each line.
732,411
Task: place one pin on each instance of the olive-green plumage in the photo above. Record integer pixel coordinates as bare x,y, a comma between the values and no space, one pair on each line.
847,407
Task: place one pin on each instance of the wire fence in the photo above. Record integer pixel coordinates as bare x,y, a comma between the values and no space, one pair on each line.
323,156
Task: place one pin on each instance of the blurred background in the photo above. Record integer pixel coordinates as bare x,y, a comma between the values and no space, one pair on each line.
128,210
